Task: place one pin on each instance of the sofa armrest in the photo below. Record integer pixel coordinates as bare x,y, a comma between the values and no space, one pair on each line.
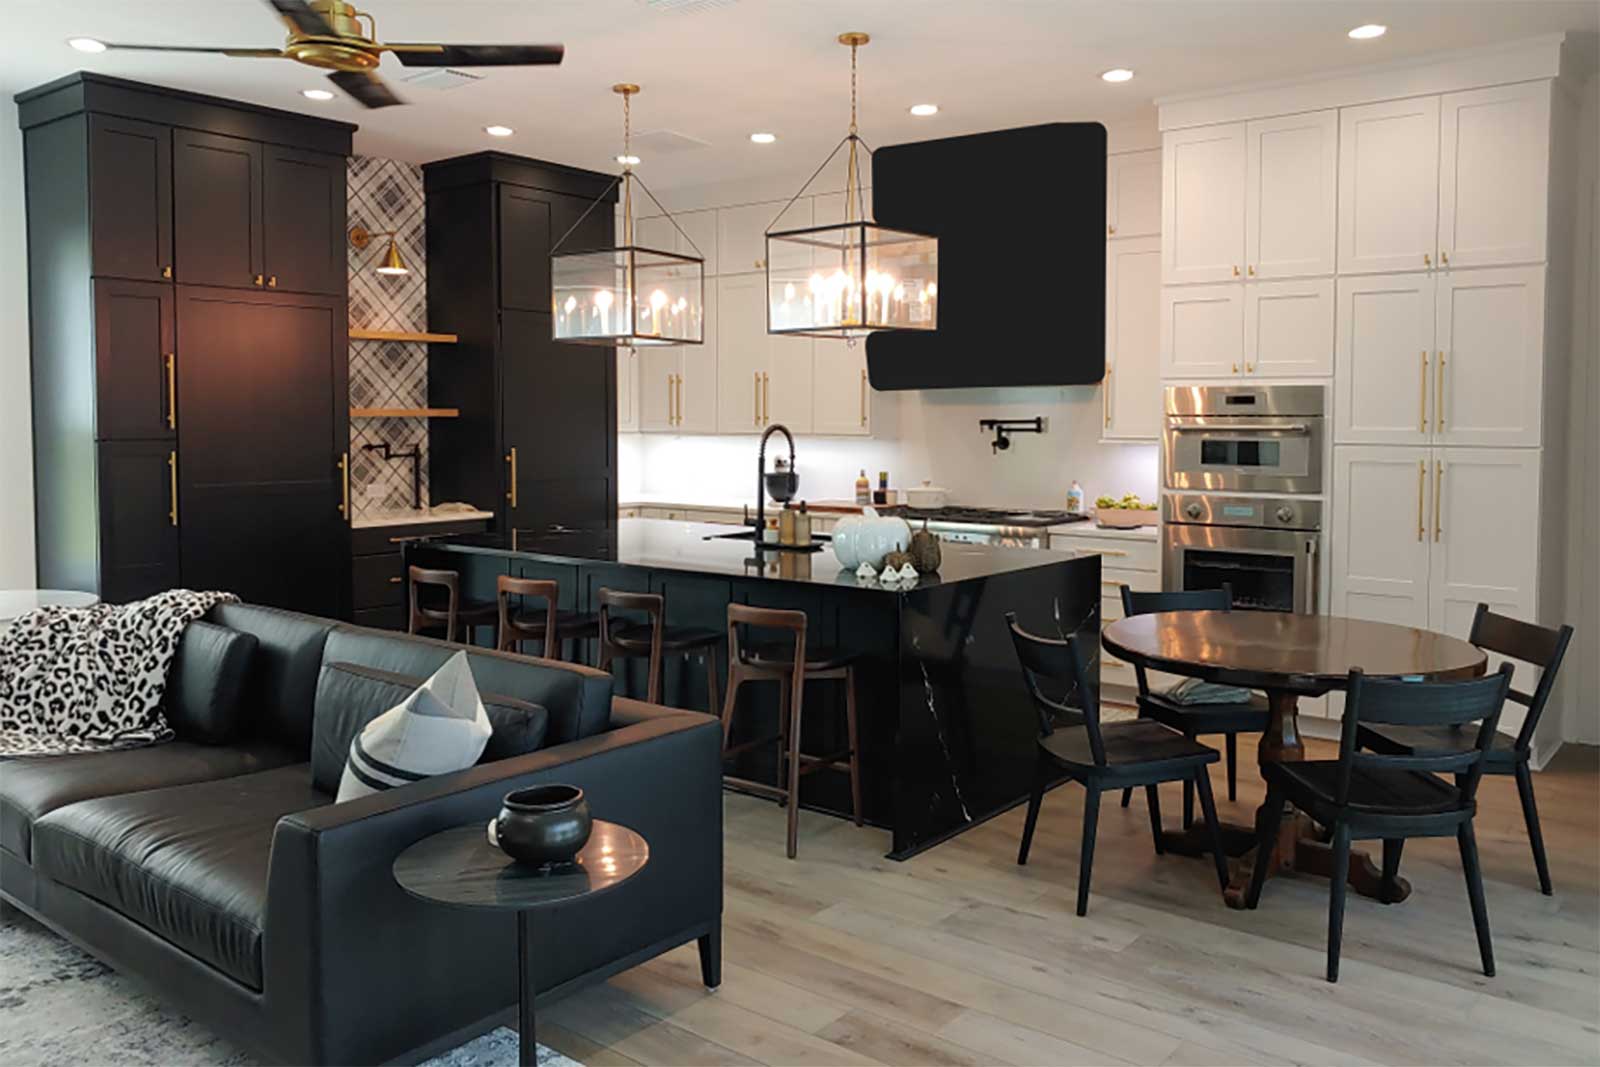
377,965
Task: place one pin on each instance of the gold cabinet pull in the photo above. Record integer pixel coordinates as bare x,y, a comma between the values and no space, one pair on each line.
1105,396
172,392
344,478
1110,230
511,493
863,397
172,488
1444,258
680,400
1427,260
1438,397
1438,499
1249,368
259,279
166,272
1251,270
1422,484
756,414
272,281
1235,270
766,399
1236,368
394,579
1422,396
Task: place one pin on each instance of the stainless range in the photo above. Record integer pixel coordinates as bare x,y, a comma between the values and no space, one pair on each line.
1243,472
986,526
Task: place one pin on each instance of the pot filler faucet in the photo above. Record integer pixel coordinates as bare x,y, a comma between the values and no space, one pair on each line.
415,456
782,484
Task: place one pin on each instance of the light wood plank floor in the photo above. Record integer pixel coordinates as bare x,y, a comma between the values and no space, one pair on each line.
961,957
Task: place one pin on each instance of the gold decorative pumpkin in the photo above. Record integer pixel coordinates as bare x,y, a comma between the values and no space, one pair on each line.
896,560
924,551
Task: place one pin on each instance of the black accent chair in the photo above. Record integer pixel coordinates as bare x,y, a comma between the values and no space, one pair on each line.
1363,795
1536,645
1193,720
1105,756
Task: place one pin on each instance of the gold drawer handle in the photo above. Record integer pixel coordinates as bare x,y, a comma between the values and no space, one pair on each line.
1438,500
259,280
394,579
863,397
1438,397
1422,396
756,415
1422,481
1105,396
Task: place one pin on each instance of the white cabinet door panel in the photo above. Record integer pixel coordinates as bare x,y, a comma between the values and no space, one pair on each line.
697,393
1389,185
1378,542
787,388
1485,535
842,403
1291,190
627,389
1202,331
657,398
1131,406
741,351
1490,328
1494,175
742,233
1288,328
699,237
1133,194
1202,204
1383,386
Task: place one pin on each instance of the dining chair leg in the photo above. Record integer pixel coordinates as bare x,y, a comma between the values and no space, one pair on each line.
1152,800
1208,810
1091,823
1337,882
855,742
1188,796
1231,748
1035,799
1480,910
1530,815
1268,817
1127,795
1392,847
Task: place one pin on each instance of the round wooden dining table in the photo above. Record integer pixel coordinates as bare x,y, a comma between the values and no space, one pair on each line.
1287,657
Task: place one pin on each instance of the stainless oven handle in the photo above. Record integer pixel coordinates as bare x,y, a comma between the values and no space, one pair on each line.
1266,427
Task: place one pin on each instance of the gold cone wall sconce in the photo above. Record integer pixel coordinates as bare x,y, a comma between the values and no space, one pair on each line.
849,277
391,263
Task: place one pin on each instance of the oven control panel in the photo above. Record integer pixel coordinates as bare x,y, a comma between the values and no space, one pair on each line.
1261,512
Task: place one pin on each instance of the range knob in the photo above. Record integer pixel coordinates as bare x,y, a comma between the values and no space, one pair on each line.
1194,511
1285,513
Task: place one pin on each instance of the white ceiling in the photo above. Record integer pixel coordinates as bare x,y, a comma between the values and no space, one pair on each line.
724,68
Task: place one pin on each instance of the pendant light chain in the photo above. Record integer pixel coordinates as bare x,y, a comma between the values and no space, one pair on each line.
627,167
852,179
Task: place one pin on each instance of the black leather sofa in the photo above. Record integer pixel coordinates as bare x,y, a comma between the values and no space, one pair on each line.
225,876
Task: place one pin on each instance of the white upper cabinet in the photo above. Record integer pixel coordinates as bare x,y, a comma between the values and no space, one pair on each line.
1494,149
1385,355
1379,541
789,382
742,232
692,233
1202,204
697,385
1202,331
1291,189
1133,194
627,389
842,398
1389,186
1489,374
1288,328
742,351
1131,397
656,398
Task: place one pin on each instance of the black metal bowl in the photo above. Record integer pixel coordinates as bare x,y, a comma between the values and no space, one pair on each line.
782,485
543,825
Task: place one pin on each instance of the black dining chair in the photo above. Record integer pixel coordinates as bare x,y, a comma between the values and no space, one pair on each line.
1543,648
1073,742
1364,795
1195,720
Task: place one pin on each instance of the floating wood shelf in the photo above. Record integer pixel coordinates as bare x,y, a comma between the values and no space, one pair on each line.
403,335
405,413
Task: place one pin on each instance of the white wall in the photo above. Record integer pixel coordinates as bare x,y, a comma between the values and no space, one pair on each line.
16,423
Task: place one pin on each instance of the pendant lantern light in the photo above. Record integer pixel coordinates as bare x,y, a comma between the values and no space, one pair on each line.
627,295
845,280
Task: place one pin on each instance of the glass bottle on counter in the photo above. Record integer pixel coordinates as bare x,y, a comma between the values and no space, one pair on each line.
863,488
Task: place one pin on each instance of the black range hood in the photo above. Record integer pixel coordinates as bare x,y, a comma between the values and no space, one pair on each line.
1021,221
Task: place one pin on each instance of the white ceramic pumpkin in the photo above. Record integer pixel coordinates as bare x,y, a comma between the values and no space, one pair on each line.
867,538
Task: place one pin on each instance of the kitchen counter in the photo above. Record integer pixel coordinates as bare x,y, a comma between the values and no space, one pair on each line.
947,730
413,517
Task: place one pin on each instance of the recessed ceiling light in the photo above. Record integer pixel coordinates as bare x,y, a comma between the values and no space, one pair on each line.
1368,32
1117,74
316,94
763,138
499,131
87,44
924,110
628,161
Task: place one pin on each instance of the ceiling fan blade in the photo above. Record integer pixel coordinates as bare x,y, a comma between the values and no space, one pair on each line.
483,55
300,17
366,88
259,53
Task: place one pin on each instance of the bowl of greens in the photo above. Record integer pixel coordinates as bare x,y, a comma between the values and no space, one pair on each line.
1124,513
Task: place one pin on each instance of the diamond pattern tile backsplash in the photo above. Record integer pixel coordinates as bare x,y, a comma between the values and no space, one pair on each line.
385,194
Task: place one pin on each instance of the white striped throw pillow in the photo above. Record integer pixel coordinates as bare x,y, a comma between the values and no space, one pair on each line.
440,728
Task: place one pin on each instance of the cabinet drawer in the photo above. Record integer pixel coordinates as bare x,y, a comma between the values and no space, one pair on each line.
1113,578
1123,554
377,581
389,618
374,540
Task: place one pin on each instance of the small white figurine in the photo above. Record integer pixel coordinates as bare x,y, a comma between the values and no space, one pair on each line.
865,571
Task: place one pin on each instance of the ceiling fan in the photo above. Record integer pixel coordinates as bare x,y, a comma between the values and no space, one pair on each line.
329,34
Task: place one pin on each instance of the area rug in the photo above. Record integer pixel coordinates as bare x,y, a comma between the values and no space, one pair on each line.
61,1006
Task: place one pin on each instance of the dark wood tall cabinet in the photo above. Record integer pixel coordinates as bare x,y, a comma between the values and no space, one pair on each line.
188,317
537,435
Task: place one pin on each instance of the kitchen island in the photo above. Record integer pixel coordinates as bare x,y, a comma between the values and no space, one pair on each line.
947,731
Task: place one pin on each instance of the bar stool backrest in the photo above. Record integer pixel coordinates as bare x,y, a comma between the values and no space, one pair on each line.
450,581
507,587
743,617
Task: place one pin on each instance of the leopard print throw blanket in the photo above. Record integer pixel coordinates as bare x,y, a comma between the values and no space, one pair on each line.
91,679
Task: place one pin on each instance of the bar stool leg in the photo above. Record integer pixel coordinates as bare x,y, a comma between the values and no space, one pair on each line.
712,704
855,744
784,713
797,681
730,702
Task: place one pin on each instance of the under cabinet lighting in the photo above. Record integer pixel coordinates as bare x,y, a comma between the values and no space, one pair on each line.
499,131
316,94
763,138
924,110
1117,74
1368,32
87,44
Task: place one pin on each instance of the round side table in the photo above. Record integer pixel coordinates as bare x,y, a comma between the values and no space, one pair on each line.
458,867
15,603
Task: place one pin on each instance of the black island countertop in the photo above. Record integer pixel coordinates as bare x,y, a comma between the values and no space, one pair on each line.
947,731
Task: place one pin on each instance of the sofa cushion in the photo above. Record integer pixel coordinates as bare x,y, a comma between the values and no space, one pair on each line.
350,696
205,680
283,672
577,698
32,787
188,863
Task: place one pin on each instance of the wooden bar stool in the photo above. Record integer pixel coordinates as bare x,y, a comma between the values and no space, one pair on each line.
792,664
653,639
457,611
551,626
